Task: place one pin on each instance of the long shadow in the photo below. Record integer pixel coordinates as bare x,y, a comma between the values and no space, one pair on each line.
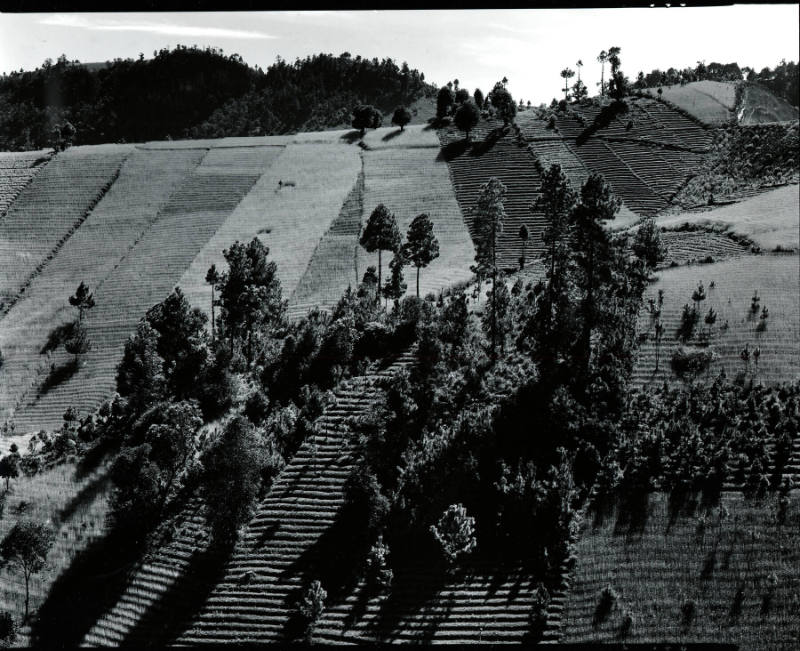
91,585
391,135
172,613
94,456
58,336
632,513
85,496
351,136
452,150
58,375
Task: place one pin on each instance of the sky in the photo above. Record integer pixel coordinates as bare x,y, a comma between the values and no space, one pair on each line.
479,47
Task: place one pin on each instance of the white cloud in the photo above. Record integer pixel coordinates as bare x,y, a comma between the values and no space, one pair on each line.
168,29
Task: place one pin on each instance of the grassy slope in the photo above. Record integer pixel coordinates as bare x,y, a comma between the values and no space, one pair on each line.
405,175
47,210
144,277
75,507
296,217
128,209
711,102
759,106
769,219
656,570
778,284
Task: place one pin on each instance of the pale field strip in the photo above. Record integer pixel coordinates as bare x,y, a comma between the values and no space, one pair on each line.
75,508
414,135
143,278
410,182
332,267
146,181
711,102
770,219
16,171
219,143
297,217
654,572
777,281
48,208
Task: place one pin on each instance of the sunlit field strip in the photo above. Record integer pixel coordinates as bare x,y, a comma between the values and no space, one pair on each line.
143,278
49,208
290,220
146,181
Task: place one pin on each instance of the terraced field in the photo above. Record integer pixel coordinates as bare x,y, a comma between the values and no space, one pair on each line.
299,509
776,279
145,275
74,506
16,171
411,181
493,154
770,219
332,267
689,247
49,209
90,255
658,568
289,220
625,180
483,605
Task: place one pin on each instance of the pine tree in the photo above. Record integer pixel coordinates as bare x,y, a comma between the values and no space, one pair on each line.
82,299
212,278
380,234
421,247
490,215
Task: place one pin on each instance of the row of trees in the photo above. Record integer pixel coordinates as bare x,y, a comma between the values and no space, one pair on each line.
194,92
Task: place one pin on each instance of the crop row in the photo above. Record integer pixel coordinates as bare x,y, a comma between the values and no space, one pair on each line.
685,247
410,182
289,219
775,279
678,577
146,181
333,264
74,507
16,171
712,102
143,277
506,158
253,601
48,209
637,195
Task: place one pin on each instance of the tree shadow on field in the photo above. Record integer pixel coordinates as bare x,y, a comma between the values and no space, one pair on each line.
351,136
85,496
172,613
392,135
90,586
58,375
58,335
633,510
474,148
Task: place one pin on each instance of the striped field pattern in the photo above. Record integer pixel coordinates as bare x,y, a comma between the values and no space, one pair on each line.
290,220
16,171
145,276
411,181
776,279
90,255
662,566
48,209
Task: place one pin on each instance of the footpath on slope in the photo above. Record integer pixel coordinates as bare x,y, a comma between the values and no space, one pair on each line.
300,507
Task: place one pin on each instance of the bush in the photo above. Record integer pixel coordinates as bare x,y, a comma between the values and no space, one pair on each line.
605,604
455,532
311,605
688,363
378,573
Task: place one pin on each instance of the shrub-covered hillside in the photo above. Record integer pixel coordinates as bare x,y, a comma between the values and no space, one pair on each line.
193,92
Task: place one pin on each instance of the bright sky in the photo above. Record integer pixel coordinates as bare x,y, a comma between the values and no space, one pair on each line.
478,47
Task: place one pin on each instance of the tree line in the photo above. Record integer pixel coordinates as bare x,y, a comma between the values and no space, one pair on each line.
190,92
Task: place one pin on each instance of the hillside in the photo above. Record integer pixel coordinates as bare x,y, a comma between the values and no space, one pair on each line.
198,93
